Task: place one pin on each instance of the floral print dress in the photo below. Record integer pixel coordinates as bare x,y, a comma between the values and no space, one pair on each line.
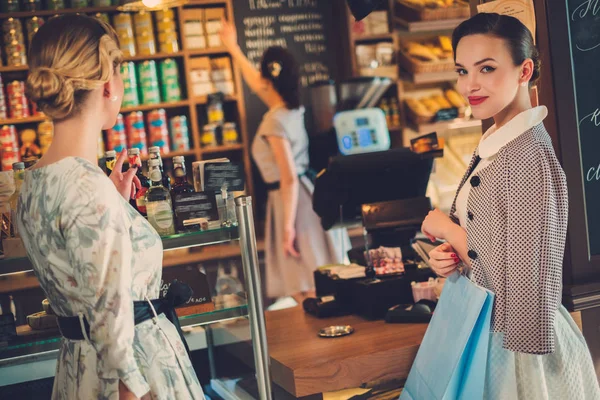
94,255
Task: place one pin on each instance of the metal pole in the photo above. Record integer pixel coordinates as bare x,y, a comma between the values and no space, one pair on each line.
256,315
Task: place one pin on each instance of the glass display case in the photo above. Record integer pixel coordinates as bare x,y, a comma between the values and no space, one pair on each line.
231,321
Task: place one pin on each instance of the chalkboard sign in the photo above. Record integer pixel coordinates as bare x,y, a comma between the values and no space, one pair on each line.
584,27
228,174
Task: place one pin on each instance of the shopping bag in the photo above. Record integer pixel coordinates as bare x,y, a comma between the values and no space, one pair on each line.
451,362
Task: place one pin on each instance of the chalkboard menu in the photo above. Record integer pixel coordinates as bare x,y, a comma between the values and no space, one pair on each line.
584,27
304,27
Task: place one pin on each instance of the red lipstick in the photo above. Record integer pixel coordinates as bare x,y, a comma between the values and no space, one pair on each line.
477,100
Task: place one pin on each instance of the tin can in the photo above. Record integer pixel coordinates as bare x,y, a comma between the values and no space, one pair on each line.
32,5
148,82
33,25
17,102
7,6
8,137
80,3
130,86
209,135
55,4
165,13
102,3
123,25
115,137
12,24
167,42
3,109
45,133
179,133
9,157
158,131
230,134
169,77
144,33
136,132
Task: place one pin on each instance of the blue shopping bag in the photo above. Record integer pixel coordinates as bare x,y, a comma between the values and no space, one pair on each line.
451,362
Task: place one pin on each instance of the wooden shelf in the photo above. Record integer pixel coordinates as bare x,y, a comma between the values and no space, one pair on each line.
21,121
395,128
430,77
14,69
428,26
174,154
149,107
211,253
45,13
157,56
375,37
221,149
459,123
208,52
204,99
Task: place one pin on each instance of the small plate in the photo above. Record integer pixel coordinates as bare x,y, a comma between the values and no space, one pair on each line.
336,331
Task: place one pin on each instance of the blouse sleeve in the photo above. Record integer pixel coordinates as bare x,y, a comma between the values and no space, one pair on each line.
100,250
536,231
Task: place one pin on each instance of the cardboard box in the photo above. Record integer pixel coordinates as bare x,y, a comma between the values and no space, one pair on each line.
213,18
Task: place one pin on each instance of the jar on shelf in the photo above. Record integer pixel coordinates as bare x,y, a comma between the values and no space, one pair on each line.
55,4
209,135
216,115
230,134
32,5
7,6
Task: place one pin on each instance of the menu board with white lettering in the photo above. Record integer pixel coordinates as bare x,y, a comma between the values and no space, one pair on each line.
304,27
584,27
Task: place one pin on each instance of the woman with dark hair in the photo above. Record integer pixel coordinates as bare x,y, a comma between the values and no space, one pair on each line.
508,224
295,242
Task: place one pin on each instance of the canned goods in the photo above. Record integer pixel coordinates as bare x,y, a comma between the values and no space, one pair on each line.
149,90
14,42
102,3
8,137
169,76
7,6
55,4
167,42
124,27
209,135
45,133
80,3
158,131
33,25
3,113
144,33
130,86
179,133
230,134
136,132
17,102
32,5
165,13
115,137
9,157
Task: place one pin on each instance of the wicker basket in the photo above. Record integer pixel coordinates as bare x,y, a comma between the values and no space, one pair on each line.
415,66
414,13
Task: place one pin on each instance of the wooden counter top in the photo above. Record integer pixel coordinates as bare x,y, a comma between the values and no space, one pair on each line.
305,364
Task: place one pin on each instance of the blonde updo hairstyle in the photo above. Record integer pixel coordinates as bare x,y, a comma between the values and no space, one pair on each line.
69,56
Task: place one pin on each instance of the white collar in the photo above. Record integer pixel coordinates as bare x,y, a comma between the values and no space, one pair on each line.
521,123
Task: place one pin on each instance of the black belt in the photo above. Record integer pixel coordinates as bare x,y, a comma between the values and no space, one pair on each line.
276,185
179,293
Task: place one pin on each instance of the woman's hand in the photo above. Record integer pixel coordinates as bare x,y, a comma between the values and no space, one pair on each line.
289,243
126,183
436,225
444,260
228,36
126,394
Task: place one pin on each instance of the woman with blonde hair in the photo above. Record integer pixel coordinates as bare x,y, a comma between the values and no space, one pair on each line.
98,261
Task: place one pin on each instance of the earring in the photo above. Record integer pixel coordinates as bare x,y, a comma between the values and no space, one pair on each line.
524,84
114,98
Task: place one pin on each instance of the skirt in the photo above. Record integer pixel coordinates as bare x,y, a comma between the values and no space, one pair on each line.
568,373
285,275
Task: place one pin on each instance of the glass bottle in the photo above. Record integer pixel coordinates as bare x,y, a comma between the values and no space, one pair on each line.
110,159
154,154
139,203
158,203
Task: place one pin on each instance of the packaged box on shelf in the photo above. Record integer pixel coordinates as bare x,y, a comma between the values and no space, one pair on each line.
226,87
221,69
193,29
203,89
377,23
213,17
214,40
200,70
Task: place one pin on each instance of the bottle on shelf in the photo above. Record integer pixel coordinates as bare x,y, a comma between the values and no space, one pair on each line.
386,110
139,203
181,184
110,159
154,154
230,134
395,112
158,203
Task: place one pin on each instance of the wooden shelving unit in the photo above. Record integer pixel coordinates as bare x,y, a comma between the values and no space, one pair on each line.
428,26
193,107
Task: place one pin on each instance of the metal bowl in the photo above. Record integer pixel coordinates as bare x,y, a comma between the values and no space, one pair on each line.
336,331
